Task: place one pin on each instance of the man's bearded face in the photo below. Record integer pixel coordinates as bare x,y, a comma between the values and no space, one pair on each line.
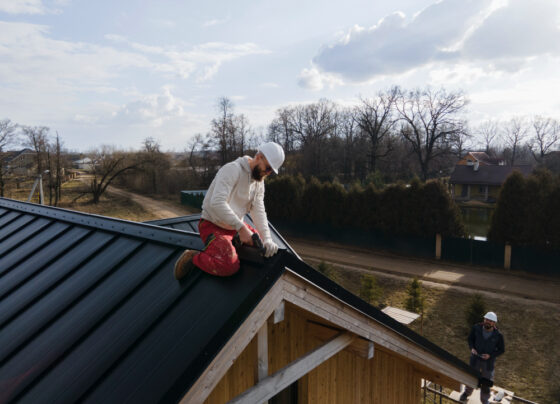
258,173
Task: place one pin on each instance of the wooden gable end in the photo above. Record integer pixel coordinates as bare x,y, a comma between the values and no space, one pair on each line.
301,336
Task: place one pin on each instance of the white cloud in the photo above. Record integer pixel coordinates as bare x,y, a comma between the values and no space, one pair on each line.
22,7
270,85
500,34
32,60
37,64
36,7
204,59
162,115
152,109
315,80
520,29
215,21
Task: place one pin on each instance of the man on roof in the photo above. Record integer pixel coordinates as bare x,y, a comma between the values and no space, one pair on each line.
486,344
237,189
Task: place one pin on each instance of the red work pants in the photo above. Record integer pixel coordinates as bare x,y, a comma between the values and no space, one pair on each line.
219,256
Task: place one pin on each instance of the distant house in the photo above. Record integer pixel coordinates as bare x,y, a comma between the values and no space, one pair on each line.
480,158
83,164
91,313
20,162
479,182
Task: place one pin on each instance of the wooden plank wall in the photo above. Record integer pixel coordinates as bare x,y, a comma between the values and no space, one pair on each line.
345,378
241,376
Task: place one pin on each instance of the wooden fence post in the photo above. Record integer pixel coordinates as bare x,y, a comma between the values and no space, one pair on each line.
507,256
438,246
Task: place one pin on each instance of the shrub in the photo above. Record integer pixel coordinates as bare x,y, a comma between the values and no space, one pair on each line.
370,291
476,310
327,270
415,300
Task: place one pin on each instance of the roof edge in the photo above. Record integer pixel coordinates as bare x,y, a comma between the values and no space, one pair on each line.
134,229
330,287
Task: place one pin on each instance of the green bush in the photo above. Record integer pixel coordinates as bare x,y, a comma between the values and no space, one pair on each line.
476,310
370,291
415,300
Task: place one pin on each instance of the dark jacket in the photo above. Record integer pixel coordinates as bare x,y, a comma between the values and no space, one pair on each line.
494,346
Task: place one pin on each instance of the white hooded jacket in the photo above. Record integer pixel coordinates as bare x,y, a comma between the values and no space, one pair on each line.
234,193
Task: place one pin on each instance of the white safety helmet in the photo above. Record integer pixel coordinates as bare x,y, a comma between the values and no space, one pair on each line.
274,154
491,316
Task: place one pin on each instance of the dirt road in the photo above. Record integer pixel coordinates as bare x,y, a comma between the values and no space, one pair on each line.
161,209
491,281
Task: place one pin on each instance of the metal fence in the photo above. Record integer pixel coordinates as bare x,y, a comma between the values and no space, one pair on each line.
472,251
193,198
532,259
454,249
410,245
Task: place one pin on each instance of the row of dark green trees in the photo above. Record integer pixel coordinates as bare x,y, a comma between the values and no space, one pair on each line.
415,209
526,211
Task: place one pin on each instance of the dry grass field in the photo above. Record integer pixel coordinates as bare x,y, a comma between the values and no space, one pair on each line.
109,205
531,365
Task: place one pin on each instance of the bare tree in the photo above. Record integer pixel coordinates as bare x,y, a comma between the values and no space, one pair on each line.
37,137
153,163
107,164
545,136
280,130
312,125
431,123
241,132
514,133
221,130
488,132
375,118
7,137
201,160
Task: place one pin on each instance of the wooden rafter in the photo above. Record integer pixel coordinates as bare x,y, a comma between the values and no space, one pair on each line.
277,382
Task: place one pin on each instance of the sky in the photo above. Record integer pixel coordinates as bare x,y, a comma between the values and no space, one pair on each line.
116,72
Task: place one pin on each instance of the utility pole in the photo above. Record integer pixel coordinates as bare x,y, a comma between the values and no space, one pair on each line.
38,180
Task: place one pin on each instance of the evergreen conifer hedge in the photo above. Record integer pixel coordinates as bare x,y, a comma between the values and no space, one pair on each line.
418,209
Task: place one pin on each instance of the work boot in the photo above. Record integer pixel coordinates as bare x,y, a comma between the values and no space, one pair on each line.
184,264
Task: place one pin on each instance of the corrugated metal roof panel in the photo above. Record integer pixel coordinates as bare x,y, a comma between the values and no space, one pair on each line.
91,311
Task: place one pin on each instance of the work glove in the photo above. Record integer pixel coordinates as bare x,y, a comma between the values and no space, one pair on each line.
270,248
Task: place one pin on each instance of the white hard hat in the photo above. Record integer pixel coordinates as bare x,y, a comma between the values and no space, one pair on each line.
491,316
274,154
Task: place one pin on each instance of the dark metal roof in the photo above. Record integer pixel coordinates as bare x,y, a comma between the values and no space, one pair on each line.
485,175
190,223
90,311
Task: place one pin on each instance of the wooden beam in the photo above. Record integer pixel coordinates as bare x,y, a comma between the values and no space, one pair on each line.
262,349
204,385
279,313
323,332
371,350
277,382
